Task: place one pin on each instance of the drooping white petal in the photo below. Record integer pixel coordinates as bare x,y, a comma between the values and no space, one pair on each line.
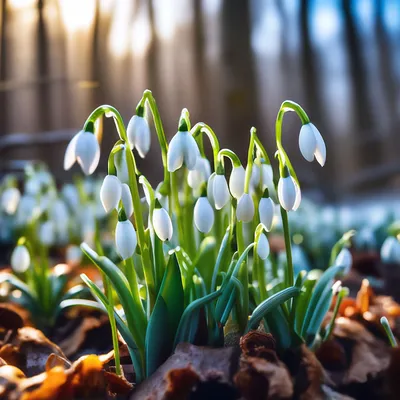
307,142
190,151
110,193
220,191
126,198
46,233
236,181
210,189
162,224
20,259
263,247
122,166
10,200
73,255
175,152
266,209
87,152
125,239
245,208
200,173
344,259
139,136
298,196
320,152
390,250
203,215
267,177
287,192
255,175
70,152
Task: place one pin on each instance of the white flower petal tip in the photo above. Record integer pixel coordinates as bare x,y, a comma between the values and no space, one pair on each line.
203,215
73,255
266,209
139,136
236,181
200,173
10,200
210,189
110,193
125,239
390,250
263,247
312,144
220,191
20,259
162,224
344,259
245,208
289,193
182,149
85,149
127,201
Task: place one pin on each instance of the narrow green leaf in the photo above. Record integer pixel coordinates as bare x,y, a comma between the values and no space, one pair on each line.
343,292
270,304
18,284
342,242
222,254
301,304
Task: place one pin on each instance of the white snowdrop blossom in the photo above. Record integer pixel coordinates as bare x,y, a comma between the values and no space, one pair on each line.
263,246
312,144
203,215
139,137
10,200
236,181
20,259
245,208
182,150
289,193
127,201
390,250
110,193
345,259
200,173
125,239
266,211
162,224
220,191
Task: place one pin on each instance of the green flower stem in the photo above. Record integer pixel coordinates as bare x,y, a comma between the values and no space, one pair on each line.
188,219
258,267
44,277
288,247
144,250
243,277
177,209
389,333
148,96
110,309
201,128
231,155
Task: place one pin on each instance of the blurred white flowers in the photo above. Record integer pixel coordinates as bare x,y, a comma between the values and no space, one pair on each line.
20,259
10,199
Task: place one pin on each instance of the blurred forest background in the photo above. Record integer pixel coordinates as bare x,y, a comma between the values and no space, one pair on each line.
230,62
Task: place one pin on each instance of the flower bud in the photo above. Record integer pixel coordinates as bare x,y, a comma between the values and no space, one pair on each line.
263,247
162,224
289,193
312,144
203,215
266,209
344,259
110,193
267,177
236,181
20,259
10,200
125,239
220,191
126,198
390,251
138,132
245,208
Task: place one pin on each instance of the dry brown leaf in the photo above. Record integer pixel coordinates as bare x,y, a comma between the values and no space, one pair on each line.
314,374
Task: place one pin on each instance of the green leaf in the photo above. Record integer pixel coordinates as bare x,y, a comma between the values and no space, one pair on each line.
136,324
269,305
299,281
205,259
301,303
343,292
18,284
221,258
193,307
324,282
158,338
159,261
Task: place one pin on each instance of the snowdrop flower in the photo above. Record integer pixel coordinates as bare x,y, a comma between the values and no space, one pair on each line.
263,247
289,193
46,233
125,239
390,250
162,223
110,192
312,144
138,132
71,196
27,210
182,149
200,173
245,208
10,200
266,177
73,255
85,149
236,181
218,191
203,215
32,186
20,259
126,198
345,259
266,208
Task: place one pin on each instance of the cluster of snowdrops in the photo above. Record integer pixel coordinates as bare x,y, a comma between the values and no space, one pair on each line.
195,252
